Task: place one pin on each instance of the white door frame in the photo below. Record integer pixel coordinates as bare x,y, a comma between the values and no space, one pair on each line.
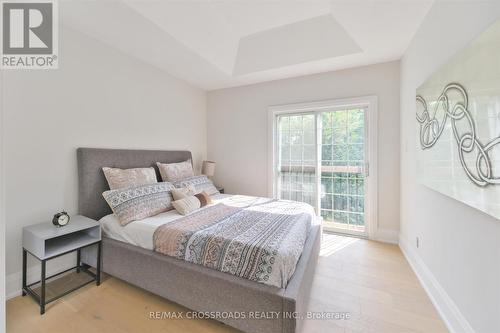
371,182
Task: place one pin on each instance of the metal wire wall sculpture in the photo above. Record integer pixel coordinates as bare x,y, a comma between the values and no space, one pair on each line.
432,128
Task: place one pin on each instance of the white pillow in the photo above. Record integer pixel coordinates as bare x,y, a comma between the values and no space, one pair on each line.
187,205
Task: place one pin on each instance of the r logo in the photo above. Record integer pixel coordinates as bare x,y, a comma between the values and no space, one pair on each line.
27,28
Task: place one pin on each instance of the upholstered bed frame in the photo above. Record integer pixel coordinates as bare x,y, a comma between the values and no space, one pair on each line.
193,286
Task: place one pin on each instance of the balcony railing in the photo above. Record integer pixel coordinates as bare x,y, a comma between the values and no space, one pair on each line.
342,192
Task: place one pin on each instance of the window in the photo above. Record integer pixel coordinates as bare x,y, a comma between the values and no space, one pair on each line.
296,170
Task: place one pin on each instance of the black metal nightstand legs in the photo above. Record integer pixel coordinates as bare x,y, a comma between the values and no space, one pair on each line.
24,272
40,297
78,260
98,268
42,289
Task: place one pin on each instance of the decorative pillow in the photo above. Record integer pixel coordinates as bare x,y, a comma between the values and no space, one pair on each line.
136,203
181,193
172,172
121,178
204,198
189,204
200,183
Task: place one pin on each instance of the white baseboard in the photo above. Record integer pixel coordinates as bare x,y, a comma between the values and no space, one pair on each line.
386,236
447,309
14,281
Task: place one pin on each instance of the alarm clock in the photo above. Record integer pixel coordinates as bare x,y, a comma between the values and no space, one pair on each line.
60,219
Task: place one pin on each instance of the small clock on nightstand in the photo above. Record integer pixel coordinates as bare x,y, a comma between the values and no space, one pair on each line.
60,219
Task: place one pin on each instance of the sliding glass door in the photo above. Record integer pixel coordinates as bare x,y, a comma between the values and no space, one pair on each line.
343,170
321,159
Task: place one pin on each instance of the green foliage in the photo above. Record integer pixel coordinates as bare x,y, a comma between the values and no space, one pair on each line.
342,193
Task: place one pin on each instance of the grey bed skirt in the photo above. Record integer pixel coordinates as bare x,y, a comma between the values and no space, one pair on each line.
206,290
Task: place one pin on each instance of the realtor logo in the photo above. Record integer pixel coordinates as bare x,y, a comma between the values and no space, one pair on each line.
29,35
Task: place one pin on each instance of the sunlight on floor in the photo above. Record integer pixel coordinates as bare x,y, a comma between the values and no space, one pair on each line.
332,243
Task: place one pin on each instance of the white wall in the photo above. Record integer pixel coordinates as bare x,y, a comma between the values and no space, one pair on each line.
2,216
459,254
98,97
238,129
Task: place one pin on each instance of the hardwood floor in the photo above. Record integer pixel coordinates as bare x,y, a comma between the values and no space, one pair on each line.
369,280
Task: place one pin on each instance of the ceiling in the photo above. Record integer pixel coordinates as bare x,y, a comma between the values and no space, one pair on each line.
216,44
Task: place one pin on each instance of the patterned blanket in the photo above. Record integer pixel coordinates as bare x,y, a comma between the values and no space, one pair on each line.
260,241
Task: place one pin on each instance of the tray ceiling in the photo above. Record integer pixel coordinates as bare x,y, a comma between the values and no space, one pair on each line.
216,44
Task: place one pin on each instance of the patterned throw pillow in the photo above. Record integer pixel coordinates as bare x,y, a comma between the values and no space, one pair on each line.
136,203
204,198
172,172
121,178
200,183
181,193
191,203
187,205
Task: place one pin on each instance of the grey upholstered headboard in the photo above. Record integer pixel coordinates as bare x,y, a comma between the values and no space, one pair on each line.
91,180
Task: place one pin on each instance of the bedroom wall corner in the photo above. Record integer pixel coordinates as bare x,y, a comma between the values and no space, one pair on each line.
98,97
458,256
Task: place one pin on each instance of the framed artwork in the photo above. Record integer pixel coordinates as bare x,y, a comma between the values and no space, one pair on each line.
458,125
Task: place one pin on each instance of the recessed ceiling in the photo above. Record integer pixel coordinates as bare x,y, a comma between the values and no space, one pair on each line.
313,39
216,44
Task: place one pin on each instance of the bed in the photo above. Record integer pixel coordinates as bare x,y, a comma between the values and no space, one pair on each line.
196,287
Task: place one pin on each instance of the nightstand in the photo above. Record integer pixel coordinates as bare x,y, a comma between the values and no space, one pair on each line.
45,241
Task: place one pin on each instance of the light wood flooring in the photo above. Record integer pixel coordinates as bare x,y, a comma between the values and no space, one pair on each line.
369,280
